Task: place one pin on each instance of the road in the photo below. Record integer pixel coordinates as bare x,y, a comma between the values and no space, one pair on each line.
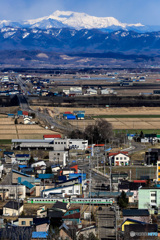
45,117
106,222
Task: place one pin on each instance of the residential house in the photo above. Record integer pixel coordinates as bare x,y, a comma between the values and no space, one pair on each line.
140,231
12,192
71,190
12,208
58,157
38,164
65,232
16,175
119,159
91,91
137,214
25,221
61,206
152,156
80,144
39,236
51,136
131,187
158,171
71,217
86,230
41,224
23,158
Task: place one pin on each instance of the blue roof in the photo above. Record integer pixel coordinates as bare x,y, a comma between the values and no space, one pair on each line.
22,166
132,220
45,175
27,184
23,174
39,234
22,155
8,153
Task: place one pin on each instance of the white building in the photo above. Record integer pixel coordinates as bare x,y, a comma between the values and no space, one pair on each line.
91,91
38,164
107,91
58,157
78,144
119,159
71,190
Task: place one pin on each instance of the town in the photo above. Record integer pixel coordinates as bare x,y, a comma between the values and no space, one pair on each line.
75,161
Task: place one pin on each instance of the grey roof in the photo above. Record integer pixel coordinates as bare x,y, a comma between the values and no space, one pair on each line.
135,212
31,141
60,205
13,205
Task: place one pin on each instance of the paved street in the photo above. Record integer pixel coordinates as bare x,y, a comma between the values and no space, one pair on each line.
106,219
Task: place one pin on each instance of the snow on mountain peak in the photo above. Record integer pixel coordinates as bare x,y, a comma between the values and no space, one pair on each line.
61,19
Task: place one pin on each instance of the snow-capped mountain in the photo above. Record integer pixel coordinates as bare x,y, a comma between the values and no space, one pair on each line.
72,40
68,19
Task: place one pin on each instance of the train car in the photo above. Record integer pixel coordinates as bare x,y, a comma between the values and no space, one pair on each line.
94,201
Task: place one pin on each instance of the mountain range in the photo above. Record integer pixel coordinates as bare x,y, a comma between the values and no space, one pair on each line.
78,32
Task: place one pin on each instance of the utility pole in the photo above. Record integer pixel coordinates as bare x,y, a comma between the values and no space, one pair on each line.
110,175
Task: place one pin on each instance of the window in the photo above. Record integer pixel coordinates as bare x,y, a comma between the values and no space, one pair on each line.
159,170
31,222
153,194
61,142
23,223
125,158
58,154
117,158
12,195
58,142
121,158
70,191
158,164
55,142
153,201
63,191
77,191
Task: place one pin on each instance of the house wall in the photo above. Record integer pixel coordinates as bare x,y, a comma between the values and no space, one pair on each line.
64,235
42,228
121,159
146,219
12,212
40,188
148,197
58,157
28,222
78,144
70,190
11,191
127,223
86,233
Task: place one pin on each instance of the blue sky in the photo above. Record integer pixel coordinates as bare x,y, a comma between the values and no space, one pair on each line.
129,11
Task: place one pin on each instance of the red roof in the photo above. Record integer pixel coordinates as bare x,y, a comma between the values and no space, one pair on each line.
72,216
99,145
140,181
52,136
67,113
25,113
114,154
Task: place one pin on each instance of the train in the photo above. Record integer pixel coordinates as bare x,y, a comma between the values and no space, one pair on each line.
94,201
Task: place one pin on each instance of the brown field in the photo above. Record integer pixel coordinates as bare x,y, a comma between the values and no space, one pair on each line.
8,130
109,111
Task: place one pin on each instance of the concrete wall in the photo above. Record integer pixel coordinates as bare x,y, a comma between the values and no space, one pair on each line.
12,212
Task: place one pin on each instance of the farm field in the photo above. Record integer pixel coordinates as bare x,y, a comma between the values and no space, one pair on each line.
10,130
134,118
